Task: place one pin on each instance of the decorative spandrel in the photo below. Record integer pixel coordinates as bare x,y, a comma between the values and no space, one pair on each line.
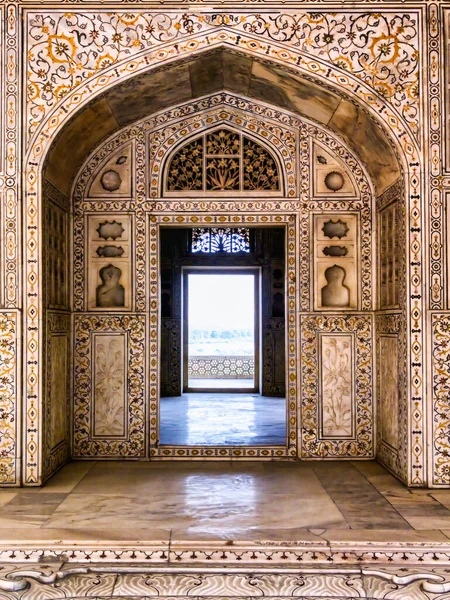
220,239
223,161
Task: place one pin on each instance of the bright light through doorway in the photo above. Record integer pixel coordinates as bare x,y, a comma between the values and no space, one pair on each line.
221,330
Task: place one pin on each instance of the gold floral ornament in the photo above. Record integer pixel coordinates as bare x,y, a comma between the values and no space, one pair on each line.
61,48
379,48
223,161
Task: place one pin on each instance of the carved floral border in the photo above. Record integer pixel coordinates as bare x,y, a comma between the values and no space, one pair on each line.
134,327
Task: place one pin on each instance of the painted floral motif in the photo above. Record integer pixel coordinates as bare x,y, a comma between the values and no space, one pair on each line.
66,49
8,393
441,399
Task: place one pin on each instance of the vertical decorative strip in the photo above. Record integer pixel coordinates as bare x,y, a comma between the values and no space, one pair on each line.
440,365
437,278
10,216
9,398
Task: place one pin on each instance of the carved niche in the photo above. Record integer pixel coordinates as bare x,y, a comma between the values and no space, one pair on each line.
114,177
330,175
336,261
109,264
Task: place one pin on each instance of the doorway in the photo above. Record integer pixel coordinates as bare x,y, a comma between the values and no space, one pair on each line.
223,293
221,331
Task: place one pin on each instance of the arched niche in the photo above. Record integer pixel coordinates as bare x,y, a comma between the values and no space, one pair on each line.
103,116
134,203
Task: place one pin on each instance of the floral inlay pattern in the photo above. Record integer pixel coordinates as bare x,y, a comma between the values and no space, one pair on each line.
8,393
379,48
441,398
87,440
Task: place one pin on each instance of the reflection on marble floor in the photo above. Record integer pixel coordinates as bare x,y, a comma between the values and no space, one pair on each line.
321,502
196,419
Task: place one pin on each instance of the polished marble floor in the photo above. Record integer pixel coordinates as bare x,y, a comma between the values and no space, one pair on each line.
232,501
212,419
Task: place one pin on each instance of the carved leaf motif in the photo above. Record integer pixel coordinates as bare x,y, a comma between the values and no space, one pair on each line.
109,389
337,386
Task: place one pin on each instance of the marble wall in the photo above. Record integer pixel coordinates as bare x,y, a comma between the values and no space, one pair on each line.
391,326
335,281
384,108
58,338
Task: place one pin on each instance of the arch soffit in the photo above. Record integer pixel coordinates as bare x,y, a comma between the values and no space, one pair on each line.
333,104
287,136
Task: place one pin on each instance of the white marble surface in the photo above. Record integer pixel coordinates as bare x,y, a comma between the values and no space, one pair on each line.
224,502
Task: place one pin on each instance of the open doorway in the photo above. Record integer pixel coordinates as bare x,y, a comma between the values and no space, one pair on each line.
223,339
221,330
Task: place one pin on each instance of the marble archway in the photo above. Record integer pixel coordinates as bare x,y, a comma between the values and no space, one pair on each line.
38,150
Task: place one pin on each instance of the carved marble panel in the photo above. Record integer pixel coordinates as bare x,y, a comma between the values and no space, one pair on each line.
336,356
389,395
392,326
170,370
389,258
336,281
327,344
58,388
109,386
343,580
114,177
331,177
57,405
109,377
274,357
56,235
109,263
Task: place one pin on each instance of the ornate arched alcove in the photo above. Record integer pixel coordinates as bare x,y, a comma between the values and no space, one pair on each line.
122,196
300,213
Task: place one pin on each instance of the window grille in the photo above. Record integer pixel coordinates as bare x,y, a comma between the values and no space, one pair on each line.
223,161
220,239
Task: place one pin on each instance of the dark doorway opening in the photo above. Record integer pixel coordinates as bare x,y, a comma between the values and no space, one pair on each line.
222,370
